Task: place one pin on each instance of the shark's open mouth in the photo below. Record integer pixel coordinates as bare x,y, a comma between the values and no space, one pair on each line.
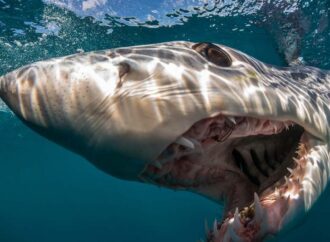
255,166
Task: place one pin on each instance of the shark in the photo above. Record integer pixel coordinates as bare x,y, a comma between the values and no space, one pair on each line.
199,117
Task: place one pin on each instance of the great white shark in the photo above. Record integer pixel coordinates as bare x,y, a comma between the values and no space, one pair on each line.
201,117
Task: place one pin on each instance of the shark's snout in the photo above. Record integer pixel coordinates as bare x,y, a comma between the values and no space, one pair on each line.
74,102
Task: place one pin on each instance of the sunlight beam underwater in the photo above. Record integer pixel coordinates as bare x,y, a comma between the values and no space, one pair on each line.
190,116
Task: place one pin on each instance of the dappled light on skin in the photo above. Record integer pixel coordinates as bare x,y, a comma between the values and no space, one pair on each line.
204,78
200,117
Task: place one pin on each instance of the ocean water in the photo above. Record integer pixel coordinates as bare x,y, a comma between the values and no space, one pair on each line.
49,194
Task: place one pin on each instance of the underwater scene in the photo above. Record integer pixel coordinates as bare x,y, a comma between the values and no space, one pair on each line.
50,194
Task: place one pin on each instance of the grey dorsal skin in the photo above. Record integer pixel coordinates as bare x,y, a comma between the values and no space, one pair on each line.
191,116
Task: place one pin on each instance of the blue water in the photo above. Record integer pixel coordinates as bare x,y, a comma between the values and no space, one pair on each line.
49,194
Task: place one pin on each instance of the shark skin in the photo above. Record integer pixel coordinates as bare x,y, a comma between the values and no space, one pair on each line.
190,116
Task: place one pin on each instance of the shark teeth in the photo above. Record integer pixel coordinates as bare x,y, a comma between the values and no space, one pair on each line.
185,142
258,210
290,170
237,223
232,119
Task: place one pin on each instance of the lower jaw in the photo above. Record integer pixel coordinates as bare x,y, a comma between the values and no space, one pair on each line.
248,201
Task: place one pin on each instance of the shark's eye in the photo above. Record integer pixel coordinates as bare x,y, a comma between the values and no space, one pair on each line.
213,53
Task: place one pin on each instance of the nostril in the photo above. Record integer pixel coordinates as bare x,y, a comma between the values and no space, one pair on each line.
124,68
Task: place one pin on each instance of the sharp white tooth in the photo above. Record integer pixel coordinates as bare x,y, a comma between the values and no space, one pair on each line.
258,213
296,160
237,222
185,142
286,179
232,119
236,214
196,143
290,170
277,192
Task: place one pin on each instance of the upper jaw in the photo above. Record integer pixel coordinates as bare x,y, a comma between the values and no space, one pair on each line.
153,106
180,101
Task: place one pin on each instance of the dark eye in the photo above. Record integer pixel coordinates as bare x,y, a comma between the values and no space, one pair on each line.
213,53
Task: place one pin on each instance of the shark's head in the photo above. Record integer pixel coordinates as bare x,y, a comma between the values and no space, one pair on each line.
192,116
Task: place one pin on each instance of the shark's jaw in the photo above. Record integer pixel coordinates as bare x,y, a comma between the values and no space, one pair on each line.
256,167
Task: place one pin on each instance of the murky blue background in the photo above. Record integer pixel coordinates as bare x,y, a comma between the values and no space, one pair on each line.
50,194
